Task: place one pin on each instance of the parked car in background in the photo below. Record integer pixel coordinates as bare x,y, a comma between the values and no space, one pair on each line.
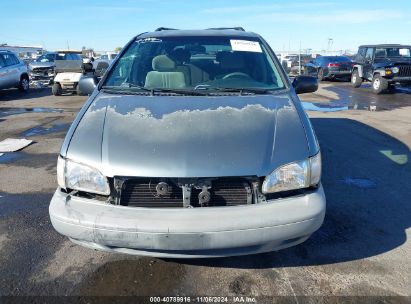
102,63
286,61
43,67
385,65
295,64
329,67
195,144
13,72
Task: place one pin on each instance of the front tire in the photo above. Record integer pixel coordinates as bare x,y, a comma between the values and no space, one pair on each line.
24,84
56,89
356,80
379,84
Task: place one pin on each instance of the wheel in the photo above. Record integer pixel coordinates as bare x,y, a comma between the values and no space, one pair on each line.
320,75
379,84
356,80
56,89
24,84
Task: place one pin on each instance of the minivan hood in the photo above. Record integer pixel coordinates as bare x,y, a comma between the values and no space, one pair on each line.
189,136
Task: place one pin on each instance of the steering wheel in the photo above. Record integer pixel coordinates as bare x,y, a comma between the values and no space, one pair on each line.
236,75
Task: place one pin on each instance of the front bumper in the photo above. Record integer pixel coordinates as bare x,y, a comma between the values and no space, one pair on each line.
40,76
188,232
406,80
345,73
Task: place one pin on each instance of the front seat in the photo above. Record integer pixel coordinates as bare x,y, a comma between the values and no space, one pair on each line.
193,74
165,75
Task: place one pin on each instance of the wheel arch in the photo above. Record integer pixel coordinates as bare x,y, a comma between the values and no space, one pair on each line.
358,67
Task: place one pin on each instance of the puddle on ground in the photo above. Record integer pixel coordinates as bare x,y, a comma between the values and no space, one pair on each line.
12,111
323,107
143,277
360,99
10,157
59,127
360,182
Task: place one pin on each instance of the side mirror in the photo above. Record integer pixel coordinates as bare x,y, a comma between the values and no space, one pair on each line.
305,84
87,84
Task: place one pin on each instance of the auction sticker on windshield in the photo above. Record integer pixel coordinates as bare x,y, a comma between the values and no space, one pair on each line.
245,46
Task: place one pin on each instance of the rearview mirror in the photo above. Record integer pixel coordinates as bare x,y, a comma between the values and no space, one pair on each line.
87,84
305,84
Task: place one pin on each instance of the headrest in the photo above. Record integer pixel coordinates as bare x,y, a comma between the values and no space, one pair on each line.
230,60
180,55
163,63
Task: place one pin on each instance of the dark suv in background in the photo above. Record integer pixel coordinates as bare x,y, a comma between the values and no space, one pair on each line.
385,65
13,72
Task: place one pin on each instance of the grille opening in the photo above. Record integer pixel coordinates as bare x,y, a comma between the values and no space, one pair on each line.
141,192
404,71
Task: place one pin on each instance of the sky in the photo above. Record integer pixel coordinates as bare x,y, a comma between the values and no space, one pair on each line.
105,25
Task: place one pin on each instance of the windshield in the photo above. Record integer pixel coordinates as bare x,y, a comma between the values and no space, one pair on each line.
194,63
393,52
46,58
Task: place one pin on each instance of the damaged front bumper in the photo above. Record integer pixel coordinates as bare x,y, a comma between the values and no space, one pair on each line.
188,232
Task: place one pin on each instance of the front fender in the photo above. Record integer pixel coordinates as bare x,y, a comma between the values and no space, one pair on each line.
358,67
380,72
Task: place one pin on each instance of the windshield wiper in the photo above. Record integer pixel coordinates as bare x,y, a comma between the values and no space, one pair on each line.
126,87
179,91
133,88
241,91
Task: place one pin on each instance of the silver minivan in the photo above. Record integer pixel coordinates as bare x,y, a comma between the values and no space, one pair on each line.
193,144
13,72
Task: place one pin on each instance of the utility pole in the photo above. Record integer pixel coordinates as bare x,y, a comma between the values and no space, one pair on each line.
68,47
299,60
330,44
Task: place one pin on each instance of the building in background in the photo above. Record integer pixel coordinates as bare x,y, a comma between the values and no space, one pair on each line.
23,51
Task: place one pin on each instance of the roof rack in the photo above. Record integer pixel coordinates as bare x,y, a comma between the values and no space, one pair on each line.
164,29
236,28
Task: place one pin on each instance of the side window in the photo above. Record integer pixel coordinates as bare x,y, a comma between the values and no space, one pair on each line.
369,54
15,59
360,55
9,60
2,62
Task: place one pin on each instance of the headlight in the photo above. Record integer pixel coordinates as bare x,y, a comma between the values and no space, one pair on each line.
297,175
72,175
395,70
